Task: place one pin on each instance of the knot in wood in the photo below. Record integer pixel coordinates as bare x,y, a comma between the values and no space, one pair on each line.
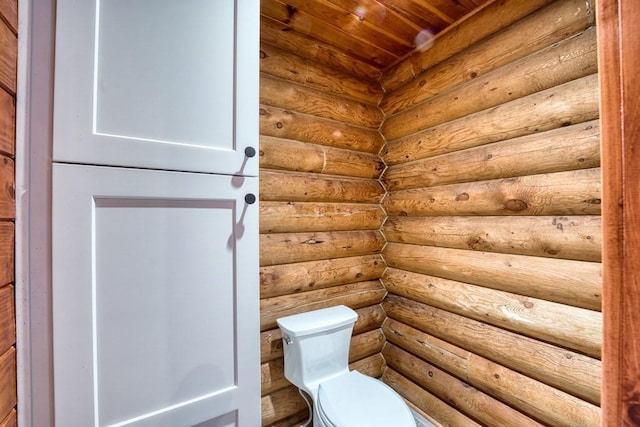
516,205
634,413
462,197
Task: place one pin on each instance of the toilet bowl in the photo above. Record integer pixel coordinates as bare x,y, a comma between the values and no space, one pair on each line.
357,400
316,352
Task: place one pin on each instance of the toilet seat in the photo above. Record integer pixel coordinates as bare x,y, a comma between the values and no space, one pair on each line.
356,400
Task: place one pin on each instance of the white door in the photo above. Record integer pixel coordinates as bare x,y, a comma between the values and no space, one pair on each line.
160,84
155,251
155,298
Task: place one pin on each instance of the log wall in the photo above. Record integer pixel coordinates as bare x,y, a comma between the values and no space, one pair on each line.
320,206
8,64
493,229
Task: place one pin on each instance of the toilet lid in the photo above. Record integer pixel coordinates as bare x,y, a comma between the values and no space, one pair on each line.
356,400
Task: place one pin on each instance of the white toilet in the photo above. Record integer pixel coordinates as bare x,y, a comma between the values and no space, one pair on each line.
316,360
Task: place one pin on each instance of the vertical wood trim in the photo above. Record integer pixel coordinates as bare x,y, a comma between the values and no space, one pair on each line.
618,38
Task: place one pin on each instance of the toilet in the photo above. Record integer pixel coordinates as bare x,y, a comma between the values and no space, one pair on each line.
316,360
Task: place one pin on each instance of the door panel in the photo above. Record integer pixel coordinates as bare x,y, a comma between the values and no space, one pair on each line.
154,323
161,84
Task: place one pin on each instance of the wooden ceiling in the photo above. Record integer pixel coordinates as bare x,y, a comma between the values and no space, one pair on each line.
376,34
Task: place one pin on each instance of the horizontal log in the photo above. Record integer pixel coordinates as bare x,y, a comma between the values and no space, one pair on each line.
8,60
565,61
332,61
372,365
299,217
7,123
305,21
536,31
562,193
575,237
293,96
574,283
281,404
536,399
569,148
362,346
366,344
427,402
448,388
286,248
570,103
287,124
7,239
7,188
7,318
302,70
570,327
369,318
355,295
307,187
566,370
285,279
487,21
9,10
11,420
286,154
8,394
299,419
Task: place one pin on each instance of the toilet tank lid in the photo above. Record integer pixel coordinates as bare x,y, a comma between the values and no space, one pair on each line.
315,321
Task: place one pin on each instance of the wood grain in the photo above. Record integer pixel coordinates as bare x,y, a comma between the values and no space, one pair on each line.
7,318
536,31
286,154
562,149
562,193
567,237
8,394
7,123
574,283
619,24
570,327
562,62
570,103
567,370
8,58
286,124
286,279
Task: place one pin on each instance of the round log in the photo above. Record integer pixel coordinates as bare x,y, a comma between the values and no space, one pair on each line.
485,22
354,295
571,327
285,279
422,399
563,369
286,154
358,71
534,398
306,187
465,398
299,217
286,248
565,61
577,237
570,103
568,148
286,124
536,31
561,193
292,96
574,283
372,365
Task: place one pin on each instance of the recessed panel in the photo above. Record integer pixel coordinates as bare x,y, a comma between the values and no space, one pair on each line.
164,71
163,305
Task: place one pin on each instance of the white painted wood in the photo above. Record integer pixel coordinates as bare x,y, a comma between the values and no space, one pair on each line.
155,307
161,84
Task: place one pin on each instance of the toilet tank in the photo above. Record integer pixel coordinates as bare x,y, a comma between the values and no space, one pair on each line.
316,345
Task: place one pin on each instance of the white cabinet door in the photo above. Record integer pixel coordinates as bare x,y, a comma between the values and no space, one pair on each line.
155,298
160,84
